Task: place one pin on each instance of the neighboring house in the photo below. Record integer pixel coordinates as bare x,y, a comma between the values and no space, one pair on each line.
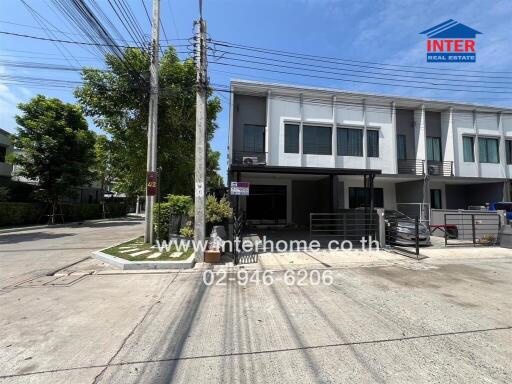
307,150
5,149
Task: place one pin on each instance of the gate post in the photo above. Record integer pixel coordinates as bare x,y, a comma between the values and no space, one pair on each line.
382,227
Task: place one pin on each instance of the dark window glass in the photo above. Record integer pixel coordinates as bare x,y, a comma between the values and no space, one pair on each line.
508,148
266,202
434,148
360,197
254,138
401,147
3,152
488,150
468,148
372,141
317,140
435,199
350,142
291,138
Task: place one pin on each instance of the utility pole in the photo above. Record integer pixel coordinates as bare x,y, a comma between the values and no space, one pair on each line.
151,178
200,155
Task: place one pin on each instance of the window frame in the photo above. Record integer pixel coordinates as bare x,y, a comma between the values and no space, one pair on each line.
486,139
377,131
306,127
338,143
472,138
244,138
398,136
438,138
508,150
296,124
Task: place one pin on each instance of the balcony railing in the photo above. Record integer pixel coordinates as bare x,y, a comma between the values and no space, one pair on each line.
411,167
249,158
440,168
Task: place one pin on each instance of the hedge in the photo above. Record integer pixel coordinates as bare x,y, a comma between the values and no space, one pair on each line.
16,214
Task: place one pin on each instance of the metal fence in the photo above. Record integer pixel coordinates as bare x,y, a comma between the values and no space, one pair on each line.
471,228
352,225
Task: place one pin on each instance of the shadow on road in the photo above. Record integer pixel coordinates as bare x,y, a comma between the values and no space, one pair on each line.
15,238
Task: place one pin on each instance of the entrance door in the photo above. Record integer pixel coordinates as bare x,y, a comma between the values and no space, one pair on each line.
267,204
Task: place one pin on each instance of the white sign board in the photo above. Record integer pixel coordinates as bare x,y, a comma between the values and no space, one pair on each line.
239,188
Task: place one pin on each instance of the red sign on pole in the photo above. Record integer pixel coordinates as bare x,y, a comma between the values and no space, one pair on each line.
151,184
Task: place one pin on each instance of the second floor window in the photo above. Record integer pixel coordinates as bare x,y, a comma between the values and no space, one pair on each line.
254,138
434,148
488,150
372,141
350,142
3,152
468,148
291,138
508,149
316,140
401,147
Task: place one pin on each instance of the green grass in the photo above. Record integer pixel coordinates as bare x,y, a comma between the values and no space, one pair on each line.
141,246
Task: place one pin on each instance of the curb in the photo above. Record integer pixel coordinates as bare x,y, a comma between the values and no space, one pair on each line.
134,265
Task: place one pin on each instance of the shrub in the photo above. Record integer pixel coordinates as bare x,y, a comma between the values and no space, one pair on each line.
180,204
16,214
187,232
217,210
161,221
4,194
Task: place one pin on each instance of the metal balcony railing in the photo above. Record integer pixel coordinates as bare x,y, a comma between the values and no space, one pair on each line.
440,168
249,158
411,167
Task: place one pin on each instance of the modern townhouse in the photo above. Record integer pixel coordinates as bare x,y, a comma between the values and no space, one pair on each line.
308,150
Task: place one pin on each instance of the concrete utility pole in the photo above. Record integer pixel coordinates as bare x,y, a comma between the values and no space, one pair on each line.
200,165
151,178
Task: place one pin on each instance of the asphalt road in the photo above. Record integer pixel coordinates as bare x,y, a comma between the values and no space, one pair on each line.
403,322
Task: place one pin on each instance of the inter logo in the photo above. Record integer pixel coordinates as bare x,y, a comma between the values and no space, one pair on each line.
451,42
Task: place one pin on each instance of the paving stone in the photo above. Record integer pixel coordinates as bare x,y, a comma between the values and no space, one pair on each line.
129,250
154,255
140,253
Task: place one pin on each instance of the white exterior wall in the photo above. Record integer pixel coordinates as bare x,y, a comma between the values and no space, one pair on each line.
479,124
353,116
306,106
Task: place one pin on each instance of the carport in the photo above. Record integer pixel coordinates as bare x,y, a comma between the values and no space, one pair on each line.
282,199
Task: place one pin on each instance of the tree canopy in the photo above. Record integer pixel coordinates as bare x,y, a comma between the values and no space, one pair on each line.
55,146
117,101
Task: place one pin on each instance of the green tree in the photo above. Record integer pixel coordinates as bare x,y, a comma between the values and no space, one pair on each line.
117,101
56,147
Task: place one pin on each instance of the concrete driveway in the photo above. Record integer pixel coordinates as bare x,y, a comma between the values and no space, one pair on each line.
400,321
30,253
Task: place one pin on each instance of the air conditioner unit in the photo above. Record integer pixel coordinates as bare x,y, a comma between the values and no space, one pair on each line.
252,160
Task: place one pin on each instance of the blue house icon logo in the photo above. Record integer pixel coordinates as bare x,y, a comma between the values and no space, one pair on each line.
451,42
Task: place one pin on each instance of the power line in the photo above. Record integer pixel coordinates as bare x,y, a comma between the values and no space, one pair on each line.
317,57
345,79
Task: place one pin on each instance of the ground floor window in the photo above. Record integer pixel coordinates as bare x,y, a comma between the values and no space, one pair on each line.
266,203
435,199
360,197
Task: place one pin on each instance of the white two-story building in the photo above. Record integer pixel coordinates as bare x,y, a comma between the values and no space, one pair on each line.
308,150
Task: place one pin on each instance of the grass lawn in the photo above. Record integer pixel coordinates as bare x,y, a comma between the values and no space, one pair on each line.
141,246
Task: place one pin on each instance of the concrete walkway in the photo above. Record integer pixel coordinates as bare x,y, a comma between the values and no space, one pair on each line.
385,320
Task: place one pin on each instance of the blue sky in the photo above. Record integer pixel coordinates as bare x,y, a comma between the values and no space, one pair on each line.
371,30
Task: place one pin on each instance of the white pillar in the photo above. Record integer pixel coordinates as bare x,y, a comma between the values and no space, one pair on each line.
394,157
420,135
